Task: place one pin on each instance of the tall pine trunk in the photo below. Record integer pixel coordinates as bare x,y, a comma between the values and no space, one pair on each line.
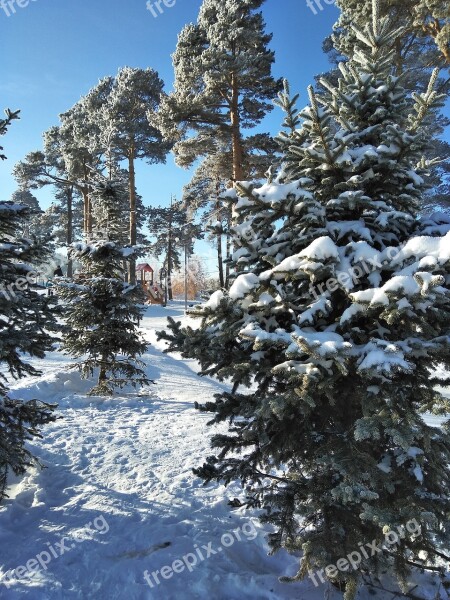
227,270
219,241
133,225
169,258
87,223
238,157
69,238
85,210
238,153
220,260
398,57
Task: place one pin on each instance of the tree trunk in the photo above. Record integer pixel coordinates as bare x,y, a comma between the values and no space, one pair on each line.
238,156
219,240
69,238
90,219
86,211
220,260
446,53
87,226
102,374
133,226
169,257
238,153
398,57
169,285
227,271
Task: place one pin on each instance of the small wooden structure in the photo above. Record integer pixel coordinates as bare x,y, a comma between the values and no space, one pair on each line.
144,274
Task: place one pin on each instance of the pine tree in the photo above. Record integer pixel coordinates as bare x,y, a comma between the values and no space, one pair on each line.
65,166
108,124
76,145
134,95
31,225
202,195
102,311
337,322
223,84
233,86
172,234
26,320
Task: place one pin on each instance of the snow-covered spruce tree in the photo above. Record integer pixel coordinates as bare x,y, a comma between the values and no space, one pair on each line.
427,25
102,311
423,45
26,318
340,322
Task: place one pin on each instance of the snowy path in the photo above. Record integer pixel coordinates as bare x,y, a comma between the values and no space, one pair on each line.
124,465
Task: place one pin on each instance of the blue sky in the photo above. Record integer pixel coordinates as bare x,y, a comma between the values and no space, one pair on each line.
54,51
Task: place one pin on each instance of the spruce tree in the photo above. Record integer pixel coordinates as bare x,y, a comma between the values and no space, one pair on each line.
422,45
335,331
26,319
102,311
426,29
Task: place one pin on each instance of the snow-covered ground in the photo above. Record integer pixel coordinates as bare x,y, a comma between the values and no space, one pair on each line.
118,500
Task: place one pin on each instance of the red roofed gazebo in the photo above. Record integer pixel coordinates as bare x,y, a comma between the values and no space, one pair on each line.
144,273
153,291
